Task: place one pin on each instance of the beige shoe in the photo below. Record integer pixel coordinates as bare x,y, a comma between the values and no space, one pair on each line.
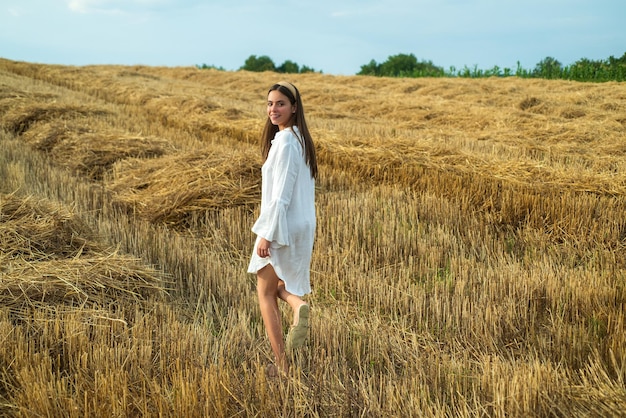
299,332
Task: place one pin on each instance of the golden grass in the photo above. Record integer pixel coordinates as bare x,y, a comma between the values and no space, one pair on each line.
172,190
469,258
20,119
49,257
91,154
35,230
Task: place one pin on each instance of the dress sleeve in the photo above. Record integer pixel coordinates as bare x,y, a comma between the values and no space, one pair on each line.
272,222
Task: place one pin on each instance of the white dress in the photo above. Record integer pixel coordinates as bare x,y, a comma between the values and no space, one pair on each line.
287,217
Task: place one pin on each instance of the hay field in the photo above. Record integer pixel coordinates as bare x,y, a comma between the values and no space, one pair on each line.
470,257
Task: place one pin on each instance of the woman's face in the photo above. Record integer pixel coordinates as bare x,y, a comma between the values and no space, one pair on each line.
279,109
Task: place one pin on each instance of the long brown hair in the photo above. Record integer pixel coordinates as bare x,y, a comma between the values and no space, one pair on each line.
297,119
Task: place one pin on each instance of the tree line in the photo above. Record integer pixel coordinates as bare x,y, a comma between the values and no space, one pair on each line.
407,65
265,63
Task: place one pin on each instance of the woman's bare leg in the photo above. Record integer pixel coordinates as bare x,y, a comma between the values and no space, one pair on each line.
267,290
300,326
293,300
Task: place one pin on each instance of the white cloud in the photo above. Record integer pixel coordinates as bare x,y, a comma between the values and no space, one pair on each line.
89,6
116,6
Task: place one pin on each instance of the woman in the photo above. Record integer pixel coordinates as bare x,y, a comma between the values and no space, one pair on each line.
286,225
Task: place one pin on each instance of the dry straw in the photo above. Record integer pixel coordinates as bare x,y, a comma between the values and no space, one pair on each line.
91,153
173,188
68,133
49,257
104,280
18,120
35,229
476,224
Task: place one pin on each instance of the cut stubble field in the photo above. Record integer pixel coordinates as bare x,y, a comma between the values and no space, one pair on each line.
470,256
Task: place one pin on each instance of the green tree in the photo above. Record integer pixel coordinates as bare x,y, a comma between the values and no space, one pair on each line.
428,69
399,65
288,67
521,71
475,72
617,68
210,67
549,67
306,69
372,68
583,70
260,64
402,65
493,72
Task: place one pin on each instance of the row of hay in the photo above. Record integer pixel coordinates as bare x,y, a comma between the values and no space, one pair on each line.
492,127
74,135
50,257
525,170
172,189
91,153
151,178
33,230
402,163
210,114
20,118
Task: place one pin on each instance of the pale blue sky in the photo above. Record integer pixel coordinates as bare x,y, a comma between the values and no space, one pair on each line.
335,36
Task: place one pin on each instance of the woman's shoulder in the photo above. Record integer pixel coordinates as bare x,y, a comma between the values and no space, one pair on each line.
290,131
288,135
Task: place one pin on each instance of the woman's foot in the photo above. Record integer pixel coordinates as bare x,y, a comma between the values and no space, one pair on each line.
300,330
272,371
